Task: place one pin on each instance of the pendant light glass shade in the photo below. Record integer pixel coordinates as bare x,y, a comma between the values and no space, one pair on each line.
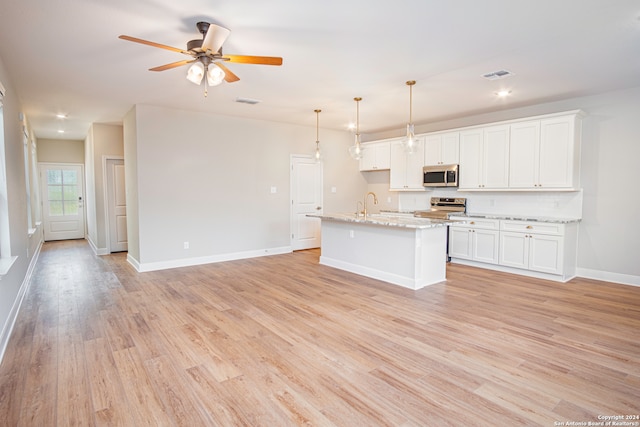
355,151
317,155
409,142
195,73
215,75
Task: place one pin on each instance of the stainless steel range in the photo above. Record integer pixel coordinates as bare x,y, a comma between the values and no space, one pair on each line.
441,207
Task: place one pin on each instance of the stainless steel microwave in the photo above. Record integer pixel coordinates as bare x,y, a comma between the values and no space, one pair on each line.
440,176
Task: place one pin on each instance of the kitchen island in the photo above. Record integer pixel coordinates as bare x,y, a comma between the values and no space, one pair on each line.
405,251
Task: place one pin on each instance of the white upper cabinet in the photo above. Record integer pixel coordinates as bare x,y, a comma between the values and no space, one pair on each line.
406,169
484,158
442,149
560,152
375,156
545,154
524,155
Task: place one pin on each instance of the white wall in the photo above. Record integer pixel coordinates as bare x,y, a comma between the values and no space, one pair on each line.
102,141
13,283
609,242
60,150
206,179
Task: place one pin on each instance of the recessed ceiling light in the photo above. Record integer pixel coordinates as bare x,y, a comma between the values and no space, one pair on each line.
61,116
503,93
351,126
60,131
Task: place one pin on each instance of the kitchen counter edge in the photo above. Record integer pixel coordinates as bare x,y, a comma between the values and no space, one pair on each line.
387,221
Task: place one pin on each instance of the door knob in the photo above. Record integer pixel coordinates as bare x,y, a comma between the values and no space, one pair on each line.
318,208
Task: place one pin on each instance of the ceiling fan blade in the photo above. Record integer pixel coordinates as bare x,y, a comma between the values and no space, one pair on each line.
245,59
172,65
154,44
215,37
229,77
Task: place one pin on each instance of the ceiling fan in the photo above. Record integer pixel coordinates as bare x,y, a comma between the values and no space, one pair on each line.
207,56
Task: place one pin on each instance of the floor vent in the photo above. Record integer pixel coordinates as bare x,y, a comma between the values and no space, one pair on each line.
495,75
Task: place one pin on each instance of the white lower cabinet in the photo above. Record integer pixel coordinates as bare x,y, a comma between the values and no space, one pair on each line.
476,240
541,249
536,252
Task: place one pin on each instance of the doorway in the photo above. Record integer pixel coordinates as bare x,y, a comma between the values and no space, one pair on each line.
63,213
306,198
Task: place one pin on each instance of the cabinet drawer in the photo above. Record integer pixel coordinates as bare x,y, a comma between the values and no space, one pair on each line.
532,227
482,223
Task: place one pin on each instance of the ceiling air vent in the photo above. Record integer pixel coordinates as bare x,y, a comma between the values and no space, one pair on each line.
247,101
495,75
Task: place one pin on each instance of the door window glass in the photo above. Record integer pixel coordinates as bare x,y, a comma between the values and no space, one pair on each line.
62,187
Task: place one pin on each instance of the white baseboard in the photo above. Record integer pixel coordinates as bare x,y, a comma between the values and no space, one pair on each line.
13,314
518,271
95,249
607,276
187,262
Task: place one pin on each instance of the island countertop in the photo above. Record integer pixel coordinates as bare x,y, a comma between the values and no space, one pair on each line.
386,220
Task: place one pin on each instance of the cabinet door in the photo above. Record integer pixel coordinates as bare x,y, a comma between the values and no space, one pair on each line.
556,152
398,162
406,169
470,159
514,249
545,253
496,157
524,147
375,156
485,245
383,154
433,150
368,159
460,242
415,163
450,148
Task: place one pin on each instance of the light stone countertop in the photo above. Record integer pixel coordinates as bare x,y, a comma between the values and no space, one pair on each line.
517,218
386,219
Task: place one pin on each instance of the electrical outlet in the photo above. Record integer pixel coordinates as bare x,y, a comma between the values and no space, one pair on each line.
274,190
186,245
351,233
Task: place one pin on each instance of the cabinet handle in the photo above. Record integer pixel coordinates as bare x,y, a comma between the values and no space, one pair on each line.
529,227
472,222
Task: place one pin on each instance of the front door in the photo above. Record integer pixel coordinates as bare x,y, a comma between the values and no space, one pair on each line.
62,200
117,205
306,198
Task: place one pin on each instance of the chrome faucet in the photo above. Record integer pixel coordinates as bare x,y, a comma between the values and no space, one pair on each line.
375,202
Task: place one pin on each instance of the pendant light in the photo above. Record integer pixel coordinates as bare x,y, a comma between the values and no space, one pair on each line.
409,142
317,155
356,151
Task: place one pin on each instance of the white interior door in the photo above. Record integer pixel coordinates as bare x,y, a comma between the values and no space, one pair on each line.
62,201
306,198
116,205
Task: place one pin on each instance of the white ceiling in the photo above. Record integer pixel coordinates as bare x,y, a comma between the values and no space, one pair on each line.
65,56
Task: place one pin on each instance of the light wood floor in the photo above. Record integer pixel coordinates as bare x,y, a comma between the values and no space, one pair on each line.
281,340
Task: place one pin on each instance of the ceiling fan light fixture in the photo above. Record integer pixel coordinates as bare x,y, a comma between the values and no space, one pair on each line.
196,73
215,75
